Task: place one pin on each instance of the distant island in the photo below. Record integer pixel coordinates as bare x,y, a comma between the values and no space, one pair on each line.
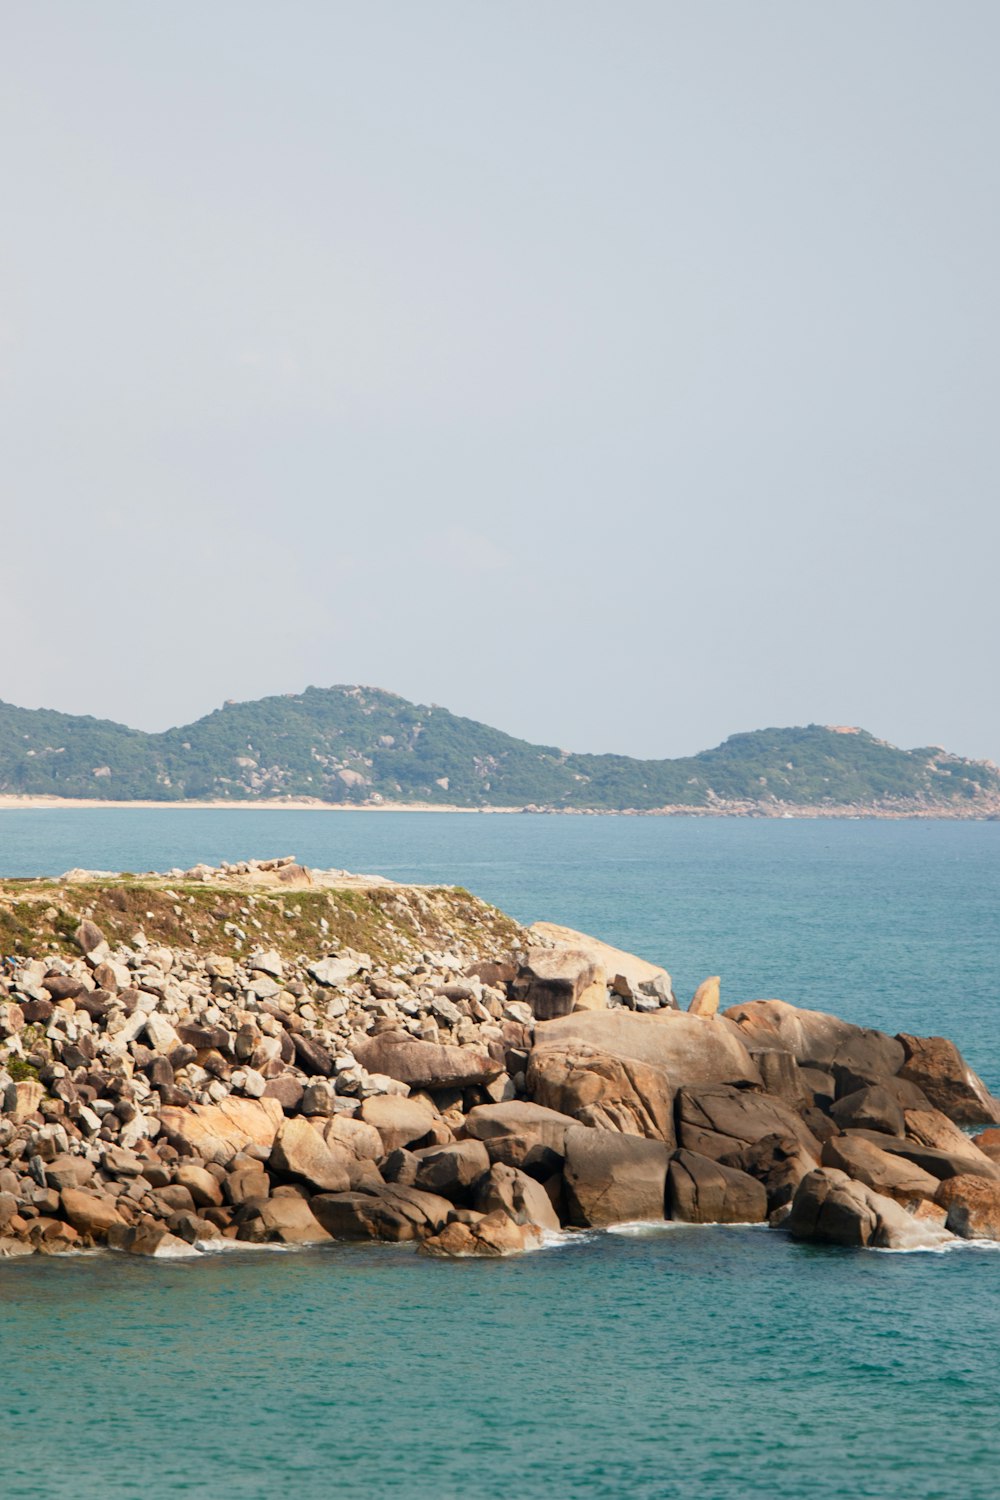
362,747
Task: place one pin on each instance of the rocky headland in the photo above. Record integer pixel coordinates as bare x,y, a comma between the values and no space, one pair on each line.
262,1053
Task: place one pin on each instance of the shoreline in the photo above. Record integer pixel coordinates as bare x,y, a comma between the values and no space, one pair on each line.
15,802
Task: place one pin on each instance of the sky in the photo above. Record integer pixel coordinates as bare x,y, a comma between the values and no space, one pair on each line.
621,374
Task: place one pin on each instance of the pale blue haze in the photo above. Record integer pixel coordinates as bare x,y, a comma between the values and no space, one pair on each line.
620,375
711,1364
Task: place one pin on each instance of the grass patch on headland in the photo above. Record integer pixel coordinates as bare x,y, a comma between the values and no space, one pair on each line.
389,922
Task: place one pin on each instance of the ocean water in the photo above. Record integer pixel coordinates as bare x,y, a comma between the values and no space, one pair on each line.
675,1362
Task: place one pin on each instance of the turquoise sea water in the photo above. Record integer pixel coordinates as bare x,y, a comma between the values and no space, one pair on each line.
682,1362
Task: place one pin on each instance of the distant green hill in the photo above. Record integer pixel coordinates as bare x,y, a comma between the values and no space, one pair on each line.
362,745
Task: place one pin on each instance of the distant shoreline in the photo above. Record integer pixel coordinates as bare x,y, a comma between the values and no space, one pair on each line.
11,802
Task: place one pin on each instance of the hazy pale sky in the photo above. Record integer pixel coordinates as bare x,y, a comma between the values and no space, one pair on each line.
623,374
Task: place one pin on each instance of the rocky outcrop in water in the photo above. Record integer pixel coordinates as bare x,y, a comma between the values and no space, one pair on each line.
468,1085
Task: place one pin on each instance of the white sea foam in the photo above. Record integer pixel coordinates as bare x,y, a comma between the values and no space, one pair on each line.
947,1248
650,1227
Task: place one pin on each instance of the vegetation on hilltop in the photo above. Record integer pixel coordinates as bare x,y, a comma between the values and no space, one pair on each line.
362,745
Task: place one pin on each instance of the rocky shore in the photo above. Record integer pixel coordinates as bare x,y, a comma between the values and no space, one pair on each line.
267,1054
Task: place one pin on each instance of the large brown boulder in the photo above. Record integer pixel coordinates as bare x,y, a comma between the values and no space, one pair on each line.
830,1208
702,1191
717,1120
517,1195
630,977
937,1067
932,1128
940,1164
557,981
426,1065
973,1206
286,1220
610,1093
891,1175
357,1135
90,1213
705,1001
151,1240
870,1108
781,1075
614,1179
217,1132
816,1039
492,1234
390,1213
778,1162
988,1141
398,1121
301,1151
689,1049
205,1190
517,1117
452,1171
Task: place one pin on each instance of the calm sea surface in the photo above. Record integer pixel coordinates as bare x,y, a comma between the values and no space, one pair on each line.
682,1362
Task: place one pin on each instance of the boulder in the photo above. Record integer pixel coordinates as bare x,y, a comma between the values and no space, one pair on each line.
816,1039
940,1164
557,981
848,1080
689,1049
388,1213
492,1234
311,1056
988,1141
719,1119
778,1162
612,1178
357,1135
817,1083
702,1191
21,1099
66,1171
301,1151
246,1184
286,1090
205,1190
929,1127
525,1152
217,1132
871,1108
151,1240
610,1093
517,1195
91,1213
830,1208
517,1117
893,1176
426,1065
400,1167
629,977
937,1067
972,1205
705,1001
287,1221
333,972
782,1076
192,1228
92,943
400,1122
453,1171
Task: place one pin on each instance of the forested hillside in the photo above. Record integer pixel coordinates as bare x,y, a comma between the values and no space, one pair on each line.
362,745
